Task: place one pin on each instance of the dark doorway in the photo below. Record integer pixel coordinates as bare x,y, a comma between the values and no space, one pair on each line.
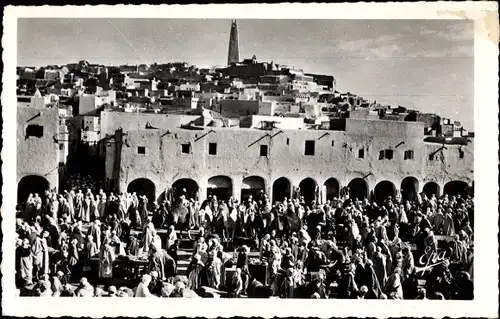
430,189
332,188
455,188
281,189
409,189
31,184
143,186
358,189
308,189
252,185
221,187
190,186
383,190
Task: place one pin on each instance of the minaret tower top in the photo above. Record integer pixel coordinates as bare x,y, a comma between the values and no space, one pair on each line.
234,53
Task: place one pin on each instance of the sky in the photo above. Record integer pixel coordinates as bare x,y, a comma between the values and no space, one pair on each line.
422,64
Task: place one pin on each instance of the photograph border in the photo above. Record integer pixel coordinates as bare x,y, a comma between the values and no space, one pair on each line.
485,304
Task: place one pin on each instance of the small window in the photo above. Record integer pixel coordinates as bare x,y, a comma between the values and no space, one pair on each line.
460,153
381,155
287,141
309,149
389,154
61,147
186,148
141,150
333,143
34,130
361,153
431,157
263,150
409,155
212,148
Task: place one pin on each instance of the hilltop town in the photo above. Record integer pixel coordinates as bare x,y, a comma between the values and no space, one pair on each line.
246,94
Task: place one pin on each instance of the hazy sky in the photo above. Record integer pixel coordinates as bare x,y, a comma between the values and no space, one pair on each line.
423,64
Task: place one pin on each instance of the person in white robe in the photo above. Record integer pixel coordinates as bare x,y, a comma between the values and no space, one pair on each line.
142,289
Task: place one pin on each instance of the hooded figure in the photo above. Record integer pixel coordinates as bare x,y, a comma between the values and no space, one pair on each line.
85,289
148,234
106,259
95,231
371,282
379,264
161,262
394,286
171,236
236,287
210,275
89,251
448,224
193,271
56,287
459,250
142,289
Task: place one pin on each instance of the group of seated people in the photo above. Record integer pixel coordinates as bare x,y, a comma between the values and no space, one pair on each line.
344,248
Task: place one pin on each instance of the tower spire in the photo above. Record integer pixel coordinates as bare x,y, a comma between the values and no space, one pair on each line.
234,52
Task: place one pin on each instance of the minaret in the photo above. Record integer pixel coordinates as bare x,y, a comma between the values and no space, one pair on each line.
234,52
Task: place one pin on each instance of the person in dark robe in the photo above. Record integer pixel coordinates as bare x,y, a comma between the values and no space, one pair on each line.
161,262
315,259
316,286
371,282
73,259
359,272
172,251
348,288
210,274
158,216
155,285
410,285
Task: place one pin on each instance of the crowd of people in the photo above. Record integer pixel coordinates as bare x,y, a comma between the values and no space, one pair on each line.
343,248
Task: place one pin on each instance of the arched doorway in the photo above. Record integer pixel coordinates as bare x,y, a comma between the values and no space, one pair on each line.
281,188
185,186
383,190
409,188
252,185
31,184
431,188
455,188
221,187
143,186
358,189
308,189
331,189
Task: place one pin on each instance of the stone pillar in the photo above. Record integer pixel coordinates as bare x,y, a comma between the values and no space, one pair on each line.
268,189
237,183
203,185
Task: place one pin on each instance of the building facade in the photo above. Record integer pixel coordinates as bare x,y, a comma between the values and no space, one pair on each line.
375,159
38,150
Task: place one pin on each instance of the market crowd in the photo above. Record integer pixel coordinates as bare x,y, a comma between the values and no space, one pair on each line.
345,248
